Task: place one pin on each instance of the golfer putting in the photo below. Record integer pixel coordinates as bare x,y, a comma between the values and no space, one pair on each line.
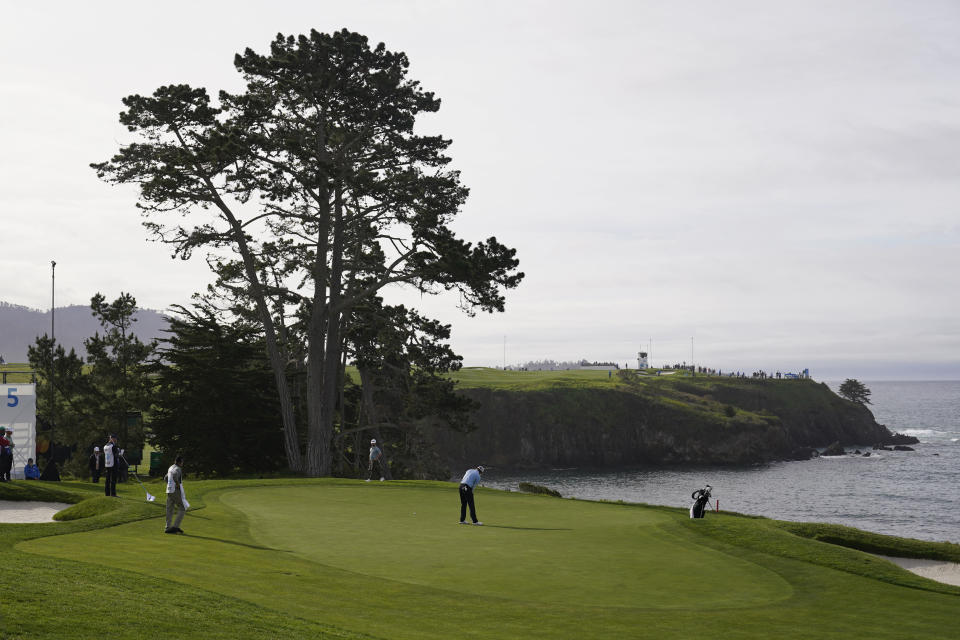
470,480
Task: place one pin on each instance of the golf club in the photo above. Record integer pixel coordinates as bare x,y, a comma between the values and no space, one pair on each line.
150,497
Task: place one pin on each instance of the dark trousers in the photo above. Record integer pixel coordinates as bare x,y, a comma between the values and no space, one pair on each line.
6,464
95,475
466,498
110,481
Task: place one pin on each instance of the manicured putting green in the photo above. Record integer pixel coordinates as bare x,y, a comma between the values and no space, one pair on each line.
388,560
531,548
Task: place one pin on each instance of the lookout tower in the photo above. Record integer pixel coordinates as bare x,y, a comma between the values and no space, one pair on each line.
642,360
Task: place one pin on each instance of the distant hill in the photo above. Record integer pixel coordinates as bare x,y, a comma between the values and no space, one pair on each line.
20,326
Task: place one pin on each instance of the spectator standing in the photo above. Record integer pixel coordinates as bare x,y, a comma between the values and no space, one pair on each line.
175,500
6,454
470,480
376,456
111,464
31,471
96,465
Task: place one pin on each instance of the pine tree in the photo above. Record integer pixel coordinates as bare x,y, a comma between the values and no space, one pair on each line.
854,391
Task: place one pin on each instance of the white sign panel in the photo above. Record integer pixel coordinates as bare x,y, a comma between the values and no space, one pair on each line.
18,412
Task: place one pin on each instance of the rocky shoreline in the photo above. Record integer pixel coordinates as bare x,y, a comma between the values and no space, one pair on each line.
590,427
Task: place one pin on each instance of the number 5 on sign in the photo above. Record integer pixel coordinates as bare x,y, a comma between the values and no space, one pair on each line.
12,399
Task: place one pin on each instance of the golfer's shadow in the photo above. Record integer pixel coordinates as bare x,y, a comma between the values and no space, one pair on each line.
503,526
235,542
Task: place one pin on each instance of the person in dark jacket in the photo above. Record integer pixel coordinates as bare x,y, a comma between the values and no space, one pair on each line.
6,454
96,464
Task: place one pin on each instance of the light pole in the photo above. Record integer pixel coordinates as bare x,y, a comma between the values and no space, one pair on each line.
53,298
53,344
53,354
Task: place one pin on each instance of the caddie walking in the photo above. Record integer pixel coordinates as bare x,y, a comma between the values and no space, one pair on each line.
175,497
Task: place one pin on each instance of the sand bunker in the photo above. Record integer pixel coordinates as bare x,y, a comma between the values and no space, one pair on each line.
13,511
946,572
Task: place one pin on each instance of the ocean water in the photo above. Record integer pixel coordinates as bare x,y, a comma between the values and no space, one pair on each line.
905,493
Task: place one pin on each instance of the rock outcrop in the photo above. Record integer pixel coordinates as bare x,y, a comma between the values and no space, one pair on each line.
899,438
596,427
835,449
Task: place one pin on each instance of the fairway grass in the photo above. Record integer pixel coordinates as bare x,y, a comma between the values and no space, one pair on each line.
347,559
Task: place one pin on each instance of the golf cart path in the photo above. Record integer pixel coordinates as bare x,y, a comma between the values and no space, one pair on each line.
14,511
945,572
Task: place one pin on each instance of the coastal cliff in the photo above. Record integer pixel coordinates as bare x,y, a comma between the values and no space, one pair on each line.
632,419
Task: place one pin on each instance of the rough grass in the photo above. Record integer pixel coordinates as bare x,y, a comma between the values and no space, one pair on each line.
36,490
874,542
88,508
336,558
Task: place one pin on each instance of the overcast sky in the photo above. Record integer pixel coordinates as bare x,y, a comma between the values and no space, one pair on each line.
779,182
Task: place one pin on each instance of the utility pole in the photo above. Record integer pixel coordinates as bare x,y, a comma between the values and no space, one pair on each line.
693,367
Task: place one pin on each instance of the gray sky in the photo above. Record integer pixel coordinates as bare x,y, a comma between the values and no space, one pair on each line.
778,181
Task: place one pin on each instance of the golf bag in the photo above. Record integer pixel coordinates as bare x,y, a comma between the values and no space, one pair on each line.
701,500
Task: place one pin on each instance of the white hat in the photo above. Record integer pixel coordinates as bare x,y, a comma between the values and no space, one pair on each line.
374,441
96,448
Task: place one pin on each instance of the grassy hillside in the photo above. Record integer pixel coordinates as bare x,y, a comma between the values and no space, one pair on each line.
486,378
346,559
678,390
536,419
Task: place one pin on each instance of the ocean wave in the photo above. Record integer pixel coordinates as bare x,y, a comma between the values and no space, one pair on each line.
954,439
920,432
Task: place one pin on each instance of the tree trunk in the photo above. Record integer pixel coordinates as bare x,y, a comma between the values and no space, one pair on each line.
278,362
324,371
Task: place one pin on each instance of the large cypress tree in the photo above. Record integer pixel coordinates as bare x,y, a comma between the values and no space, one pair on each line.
315,193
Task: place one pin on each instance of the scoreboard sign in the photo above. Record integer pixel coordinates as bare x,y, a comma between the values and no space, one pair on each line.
18,413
